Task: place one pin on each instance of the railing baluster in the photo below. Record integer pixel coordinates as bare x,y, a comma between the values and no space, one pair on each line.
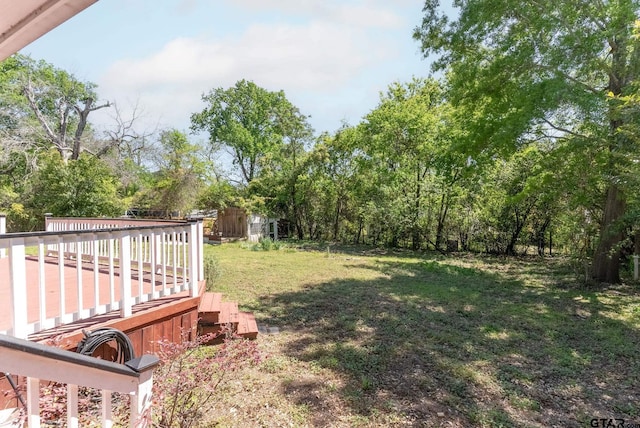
79,292
61,292
174,264
124,243
200,243
152,262
33,402
42,293
141,293
163,263
3,230
18,279
112,280
193,259
72,406
184,260
158,249
96,275
106,409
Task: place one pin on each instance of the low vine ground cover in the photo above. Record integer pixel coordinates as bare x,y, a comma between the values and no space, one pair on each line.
363,337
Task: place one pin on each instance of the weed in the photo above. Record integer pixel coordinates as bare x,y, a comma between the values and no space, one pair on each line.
212,270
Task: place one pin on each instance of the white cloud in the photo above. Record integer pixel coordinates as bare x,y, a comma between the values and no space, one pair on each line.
361,13
320,57
364,16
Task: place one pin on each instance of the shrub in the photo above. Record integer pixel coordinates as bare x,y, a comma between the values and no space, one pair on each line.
189,374
267,244
212,270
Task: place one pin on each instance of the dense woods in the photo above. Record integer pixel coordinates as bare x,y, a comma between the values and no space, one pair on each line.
526,143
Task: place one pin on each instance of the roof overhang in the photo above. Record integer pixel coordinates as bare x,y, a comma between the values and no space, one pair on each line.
23,21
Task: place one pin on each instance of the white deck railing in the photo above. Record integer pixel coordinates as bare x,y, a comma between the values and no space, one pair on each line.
126,261
38,362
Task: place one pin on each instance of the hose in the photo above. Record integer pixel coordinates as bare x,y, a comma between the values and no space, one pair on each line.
92,341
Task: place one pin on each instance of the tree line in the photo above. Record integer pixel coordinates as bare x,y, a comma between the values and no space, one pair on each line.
526,143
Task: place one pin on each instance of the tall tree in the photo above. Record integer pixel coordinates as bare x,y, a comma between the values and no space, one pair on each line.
523,69
405,139
36,92
282,169
249,121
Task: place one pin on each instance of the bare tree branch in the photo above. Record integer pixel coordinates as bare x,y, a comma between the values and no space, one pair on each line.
83,115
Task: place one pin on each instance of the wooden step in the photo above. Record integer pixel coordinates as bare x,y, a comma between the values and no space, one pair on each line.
216,315
247,325
229,314
209,308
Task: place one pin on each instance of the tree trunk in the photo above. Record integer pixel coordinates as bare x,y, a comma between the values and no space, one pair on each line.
442,217
606,261
299,230
415,230
359,234
515,235
336,219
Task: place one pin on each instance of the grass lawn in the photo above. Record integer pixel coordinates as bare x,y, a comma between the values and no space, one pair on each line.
383,338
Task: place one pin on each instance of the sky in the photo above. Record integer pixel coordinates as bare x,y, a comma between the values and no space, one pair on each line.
331,58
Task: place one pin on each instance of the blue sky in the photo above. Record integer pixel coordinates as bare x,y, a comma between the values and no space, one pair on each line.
331,58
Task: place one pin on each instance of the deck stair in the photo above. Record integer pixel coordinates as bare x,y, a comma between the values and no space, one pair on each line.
214,314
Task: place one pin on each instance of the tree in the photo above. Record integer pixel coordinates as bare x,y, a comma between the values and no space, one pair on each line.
248,120
180,175
556,69
84,187
407,144
281,170
36,92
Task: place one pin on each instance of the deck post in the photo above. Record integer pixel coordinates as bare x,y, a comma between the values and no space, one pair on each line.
201,249
48,225
141,399
18,279
194,253
124,243
3,230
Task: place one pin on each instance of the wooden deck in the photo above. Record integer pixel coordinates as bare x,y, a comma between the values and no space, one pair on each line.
52,289
207,307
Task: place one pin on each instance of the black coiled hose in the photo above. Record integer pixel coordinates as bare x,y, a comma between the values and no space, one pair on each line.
93,339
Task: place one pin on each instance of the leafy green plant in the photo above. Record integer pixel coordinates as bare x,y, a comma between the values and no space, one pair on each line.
267,244
212,270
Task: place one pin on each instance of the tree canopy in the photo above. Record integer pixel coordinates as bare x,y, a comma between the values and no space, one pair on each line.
42,104
527,143
521,71
250,121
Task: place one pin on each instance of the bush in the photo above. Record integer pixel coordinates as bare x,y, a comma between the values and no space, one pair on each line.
189,375
267,244
212,270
